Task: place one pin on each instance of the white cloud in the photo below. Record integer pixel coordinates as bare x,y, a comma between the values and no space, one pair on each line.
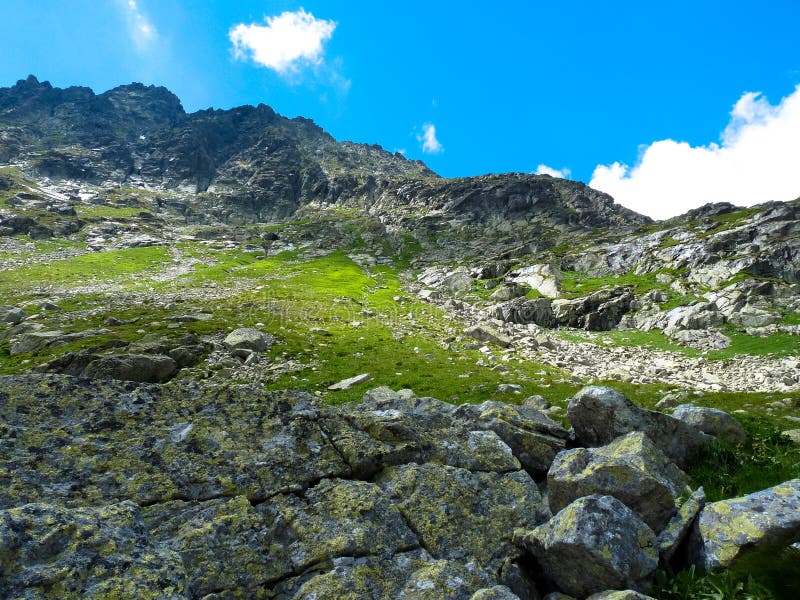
545,170
140,29
430,145
286,41
756,161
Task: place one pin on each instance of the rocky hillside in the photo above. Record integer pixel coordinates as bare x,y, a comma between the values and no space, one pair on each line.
203,317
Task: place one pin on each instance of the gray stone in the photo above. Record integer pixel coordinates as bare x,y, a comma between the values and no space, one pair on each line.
524,311
509,291
600,414
630,468
457,281
793,435
594,544
727,529
346,384
544,278
671,537
700,339
619,595
35,341
11,315
533,437
249,339
149,368
711,421
486,332
498,592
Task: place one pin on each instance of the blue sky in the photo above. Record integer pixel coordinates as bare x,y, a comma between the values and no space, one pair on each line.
662,104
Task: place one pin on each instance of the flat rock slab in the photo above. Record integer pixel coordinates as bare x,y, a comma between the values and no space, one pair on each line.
346,384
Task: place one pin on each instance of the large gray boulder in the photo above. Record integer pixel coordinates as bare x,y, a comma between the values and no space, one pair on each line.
544,278
711,421
533,437
600,311
600,414
486,332
509,291
523,311
671,537
11,315
594,544
248,338
147,368
631,468
727,529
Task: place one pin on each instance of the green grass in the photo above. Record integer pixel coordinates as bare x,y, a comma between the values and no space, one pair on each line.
104,211
84,269
777,344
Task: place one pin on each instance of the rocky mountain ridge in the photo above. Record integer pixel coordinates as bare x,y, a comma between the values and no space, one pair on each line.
187,298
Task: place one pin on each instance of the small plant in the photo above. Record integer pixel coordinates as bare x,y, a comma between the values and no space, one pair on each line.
723,585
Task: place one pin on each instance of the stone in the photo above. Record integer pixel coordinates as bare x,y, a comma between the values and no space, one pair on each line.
524,311
728,529
601,311
619,595
485,332
53,551
509,291
545,279
11,315
532,436
458,281
712,421
148,368
458,514
630,468
792,435
700,339
34,341
600,414
498,592
594,544
248,338
346,384
671,537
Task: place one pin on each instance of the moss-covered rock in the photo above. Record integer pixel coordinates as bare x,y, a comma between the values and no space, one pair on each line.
630,468
49,551
727,529
594,544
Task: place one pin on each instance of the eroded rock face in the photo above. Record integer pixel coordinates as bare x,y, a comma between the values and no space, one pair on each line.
149,368
630,468
234,492
729,528
594,544
600,414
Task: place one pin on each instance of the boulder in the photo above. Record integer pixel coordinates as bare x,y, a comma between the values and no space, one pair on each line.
711,421
533,437
247,338
600,414
458,514
523,311
600,311
630,468
509,291
619,595
594,544
701,315
148,368
545,278
727,529
498,592
35,341
11,315
458,281
485,332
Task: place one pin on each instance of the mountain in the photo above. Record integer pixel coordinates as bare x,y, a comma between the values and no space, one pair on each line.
239,358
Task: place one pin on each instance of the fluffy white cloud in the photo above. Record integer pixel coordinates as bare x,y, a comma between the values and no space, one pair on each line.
545,170
755,161
285,42
430,145
140,28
